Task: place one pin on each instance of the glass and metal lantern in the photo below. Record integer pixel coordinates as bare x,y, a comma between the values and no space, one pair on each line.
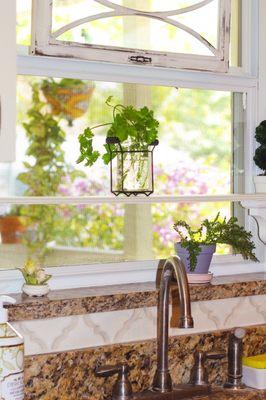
131,170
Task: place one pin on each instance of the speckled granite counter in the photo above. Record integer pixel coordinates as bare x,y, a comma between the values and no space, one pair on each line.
247,394
130,296
70,375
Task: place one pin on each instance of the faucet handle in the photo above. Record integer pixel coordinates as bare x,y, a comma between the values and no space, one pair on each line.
198,376
109,370
215,355
122,389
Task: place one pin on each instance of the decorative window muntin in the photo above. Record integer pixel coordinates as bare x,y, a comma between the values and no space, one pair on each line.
50,39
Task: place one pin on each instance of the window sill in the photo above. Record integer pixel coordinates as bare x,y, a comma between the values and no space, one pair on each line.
128,296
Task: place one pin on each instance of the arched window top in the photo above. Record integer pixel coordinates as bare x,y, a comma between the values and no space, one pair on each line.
192,34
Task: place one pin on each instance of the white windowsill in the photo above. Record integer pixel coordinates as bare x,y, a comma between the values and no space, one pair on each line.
249,198
119,273
61,67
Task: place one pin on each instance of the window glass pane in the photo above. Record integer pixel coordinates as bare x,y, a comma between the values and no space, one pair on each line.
65,12
156,5
75,235
200,152
197,20
24,22
163,34
195,133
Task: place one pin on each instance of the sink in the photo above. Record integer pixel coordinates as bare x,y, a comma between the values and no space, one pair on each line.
180,392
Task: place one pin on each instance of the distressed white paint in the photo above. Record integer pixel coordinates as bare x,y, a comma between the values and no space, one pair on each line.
113,72
45,42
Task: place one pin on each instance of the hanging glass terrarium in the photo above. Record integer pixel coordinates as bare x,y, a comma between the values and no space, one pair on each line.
131,169
130,141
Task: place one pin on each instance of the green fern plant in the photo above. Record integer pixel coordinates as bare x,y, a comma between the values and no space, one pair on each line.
215,231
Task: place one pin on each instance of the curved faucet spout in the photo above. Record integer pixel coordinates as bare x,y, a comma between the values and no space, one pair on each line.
173,268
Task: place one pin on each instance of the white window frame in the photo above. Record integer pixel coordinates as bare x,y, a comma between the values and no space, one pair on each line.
45,42
243,80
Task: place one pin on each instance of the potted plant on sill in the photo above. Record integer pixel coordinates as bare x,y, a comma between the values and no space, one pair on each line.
12,226
197,246
35,279
130,140
68,98
260,158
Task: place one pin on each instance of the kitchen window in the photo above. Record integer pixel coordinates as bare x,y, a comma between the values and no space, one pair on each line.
206,127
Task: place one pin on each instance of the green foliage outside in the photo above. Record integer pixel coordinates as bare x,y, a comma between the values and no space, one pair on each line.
192,118
102,227
42,175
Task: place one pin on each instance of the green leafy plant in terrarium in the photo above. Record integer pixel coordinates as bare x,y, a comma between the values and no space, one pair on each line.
135,129
216,231
42,176
260,153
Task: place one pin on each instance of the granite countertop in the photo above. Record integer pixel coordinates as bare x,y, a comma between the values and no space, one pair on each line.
129,296
220,394
72,373
217,393
246,394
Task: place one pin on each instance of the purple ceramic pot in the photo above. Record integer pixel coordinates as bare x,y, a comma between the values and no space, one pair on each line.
203,259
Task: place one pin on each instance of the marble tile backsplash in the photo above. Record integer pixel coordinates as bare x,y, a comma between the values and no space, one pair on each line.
123,326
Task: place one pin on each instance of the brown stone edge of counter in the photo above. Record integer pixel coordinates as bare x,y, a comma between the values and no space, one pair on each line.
70,375
130,296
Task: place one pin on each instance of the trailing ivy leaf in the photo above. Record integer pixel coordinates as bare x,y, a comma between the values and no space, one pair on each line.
43,174
106,158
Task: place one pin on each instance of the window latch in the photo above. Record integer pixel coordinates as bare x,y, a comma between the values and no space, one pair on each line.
140,59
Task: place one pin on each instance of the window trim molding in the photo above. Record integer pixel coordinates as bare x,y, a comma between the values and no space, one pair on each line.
250,36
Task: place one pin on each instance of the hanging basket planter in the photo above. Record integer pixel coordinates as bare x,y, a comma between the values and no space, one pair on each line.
12,228
131,170
68,98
